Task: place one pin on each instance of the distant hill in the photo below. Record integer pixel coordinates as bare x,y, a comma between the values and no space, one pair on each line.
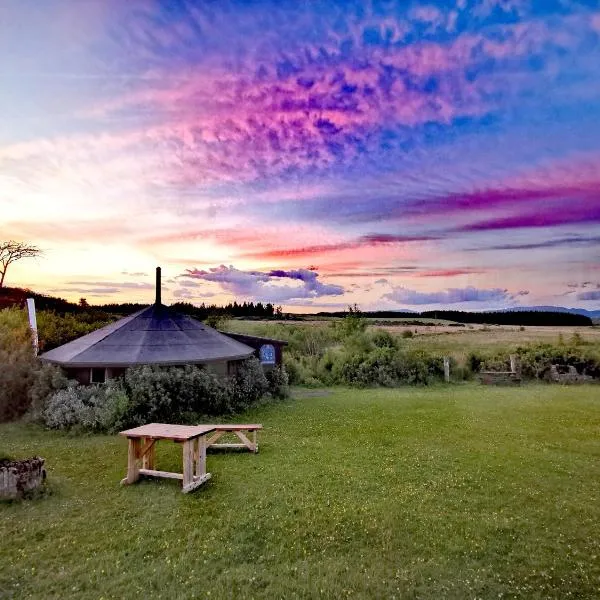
592,314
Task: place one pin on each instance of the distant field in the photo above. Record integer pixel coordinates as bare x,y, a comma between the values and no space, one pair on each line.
444,336
448,492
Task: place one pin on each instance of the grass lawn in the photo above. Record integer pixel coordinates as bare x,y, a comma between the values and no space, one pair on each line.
446,492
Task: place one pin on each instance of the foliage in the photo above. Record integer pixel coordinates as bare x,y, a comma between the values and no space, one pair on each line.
535,360
157,394
47,380
278,382
248,384
92,408
18,364
217,320
352,324
55,329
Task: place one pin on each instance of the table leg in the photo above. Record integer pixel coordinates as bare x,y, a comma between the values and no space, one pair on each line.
254,441
133,469
188,463
148,460
201,456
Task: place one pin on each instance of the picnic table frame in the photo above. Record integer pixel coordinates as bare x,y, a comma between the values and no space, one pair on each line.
240,431
141,456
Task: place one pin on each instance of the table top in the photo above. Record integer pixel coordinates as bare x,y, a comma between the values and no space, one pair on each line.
166,431
235,426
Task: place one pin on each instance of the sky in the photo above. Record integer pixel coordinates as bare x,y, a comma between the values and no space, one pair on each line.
395,155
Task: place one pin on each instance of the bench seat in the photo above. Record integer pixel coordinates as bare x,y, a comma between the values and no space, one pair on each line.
240,430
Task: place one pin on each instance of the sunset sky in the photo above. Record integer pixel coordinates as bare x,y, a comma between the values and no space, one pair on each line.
397,155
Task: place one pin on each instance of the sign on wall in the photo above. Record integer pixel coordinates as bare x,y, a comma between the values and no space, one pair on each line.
267,354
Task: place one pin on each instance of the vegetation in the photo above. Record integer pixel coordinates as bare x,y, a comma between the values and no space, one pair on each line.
149,394
415,493
145,394
349,351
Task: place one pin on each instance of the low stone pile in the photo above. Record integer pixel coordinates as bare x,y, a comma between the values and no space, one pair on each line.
20,476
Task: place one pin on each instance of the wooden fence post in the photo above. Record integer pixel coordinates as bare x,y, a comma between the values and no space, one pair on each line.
513,363
446,369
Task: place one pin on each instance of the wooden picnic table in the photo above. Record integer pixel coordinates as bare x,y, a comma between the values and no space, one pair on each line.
240,431
141,455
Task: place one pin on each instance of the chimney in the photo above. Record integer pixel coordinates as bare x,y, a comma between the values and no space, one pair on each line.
157,301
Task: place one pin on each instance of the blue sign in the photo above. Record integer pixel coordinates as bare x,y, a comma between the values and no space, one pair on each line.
267,354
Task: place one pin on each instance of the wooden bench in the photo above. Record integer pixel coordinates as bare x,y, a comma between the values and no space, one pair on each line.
141,455
500,378
240,431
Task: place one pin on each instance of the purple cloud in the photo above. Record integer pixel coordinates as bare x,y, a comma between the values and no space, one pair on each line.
403,295
589,295
267,286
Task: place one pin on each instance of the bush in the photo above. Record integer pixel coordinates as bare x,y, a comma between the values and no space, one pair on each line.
162,394
90,408
384,339
278,382
174,394
248,385
47,380
55,330
18,364
537,359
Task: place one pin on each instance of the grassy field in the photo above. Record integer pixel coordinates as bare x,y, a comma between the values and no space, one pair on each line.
441,337
444,492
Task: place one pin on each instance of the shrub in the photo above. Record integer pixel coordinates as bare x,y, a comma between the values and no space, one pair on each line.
537,359
278,382
18,364
407,334
173,394
384,339
47,380
249,384
55,330
90,408
419,367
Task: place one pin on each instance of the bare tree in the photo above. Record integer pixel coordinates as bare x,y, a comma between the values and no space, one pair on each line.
12,251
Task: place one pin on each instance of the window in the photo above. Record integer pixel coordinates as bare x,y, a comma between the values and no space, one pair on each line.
267,354
97,375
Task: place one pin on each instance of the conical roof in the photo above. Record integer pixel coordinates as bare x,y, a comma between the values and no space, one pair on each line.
155,335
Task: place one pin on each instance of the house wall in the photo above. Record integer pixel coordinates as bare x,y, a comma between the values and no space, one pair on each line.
256,343
82,374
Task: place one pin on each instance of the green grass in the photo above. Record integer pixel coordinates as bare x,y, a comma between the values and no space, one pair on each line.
447,492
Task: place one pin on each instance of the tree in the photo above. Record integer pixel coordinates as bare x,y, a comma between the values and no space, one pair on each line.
12,251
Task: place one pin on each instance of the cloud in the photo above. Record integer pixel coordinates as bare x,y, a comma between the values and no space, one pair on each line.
584,211
589,295
121,285
554,243
366,241
135,274
267,286
403,295
95,291
448,272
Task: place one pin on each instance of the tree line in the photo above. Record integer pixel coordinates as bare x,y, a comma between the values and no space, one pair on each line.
526,317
